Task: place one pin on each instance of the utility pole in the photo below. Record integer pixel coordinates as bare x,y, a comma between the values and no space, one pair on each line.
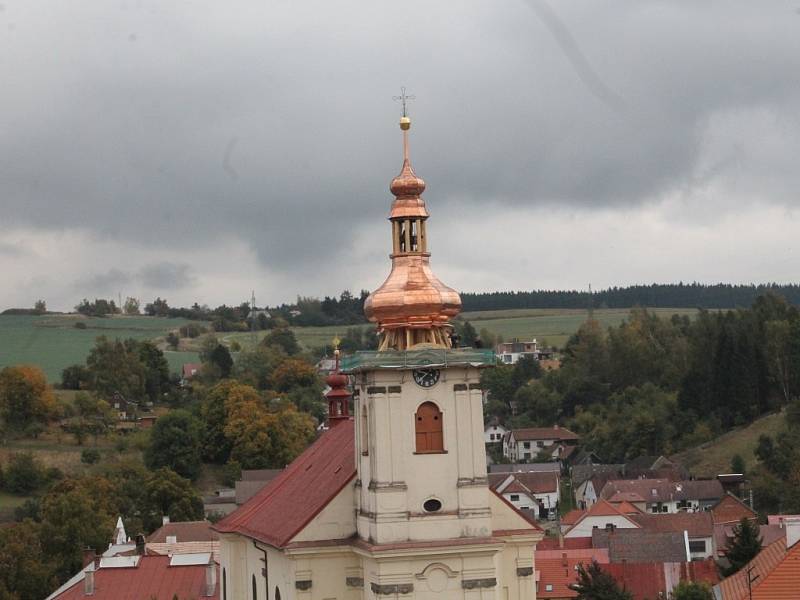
253,318
591,304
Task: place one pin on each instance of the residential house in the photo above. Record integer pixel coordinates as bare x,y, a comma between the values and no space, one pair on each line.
183,531
126,410
772,575
221,503
601,515
588,492
556,570
510,352
252,481
189,371
697,528
527,444
665,496
494,432
529,491
733,483
641,546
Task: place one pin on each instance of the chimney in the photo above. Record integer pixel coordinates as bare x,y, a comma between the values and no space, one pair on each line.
211,579
564,562
140,544
792,525
88,580
560,540
88,556
164,520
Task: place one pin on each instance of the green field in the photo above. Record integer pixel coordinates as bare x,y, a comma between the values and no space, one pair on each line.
52,341
553,326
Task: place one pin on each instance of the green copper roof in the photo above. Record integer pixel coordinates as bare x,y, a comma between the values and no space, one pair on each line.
414,359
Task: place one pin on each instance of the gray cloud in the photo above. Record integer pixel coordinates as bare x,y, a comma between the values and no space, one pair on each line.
166,276
178,126
108,282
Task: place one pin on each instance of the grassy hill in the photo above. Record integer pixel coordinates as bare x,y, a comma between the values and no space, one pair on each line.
714,457
53,342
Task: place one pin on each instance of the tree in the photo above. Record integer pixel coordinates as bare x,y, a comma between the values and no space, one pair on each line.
40,307
115,367
214,409
744,547
74,377
255,367
692,590
293,373
173,340
157,308
221,359
596,584
175,442
284,339
24,474
537,405
131,306
173,496
156,367
25,397
90,456
24,568
737,464
77,513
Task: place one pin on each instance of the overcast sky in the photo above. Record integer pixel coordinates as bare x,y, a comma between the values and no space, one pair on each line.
197,150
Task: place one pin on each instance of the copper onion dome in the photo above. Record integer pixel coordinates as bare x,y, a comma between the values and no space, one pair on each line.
412,308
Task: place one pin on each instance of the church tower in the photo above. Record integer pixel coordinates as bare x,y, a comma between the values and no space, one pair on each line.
419,415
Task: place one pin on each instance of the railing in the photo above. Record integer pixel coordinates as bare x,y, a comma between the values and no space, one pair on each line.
413,359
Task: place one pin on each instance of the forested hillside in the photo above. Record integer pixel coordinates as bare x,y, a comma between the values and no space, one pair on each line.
672,295
655,386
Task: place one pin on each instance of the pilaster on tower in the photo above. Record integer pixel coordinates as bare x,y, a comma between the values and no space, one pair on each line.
412,308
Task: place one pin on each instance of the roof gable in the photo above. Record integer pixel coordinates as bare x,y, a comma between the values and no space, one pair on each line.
283,507
731,510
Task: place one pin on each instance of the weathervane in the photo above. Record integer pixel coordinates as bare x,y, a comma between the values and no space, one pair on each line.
403,98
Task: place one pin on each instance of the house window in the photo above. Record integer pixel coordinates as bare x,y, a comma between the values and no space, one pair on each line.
540,444
428,428
514,497
697,546
548,587
527,455
526,445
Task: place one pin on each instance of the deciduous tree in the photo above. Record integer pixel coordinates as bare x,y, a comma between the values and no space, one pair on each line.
25,397
175,442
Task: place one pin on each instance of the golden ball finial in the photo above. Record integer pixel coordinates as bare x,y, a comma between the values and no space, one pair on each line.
405,123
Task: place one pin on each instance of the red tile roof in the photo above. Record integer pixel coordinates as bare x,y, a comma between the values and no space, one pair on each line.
625,497
184,531
544,433
731,510
552,543
628,508
697,524
664,490
778,519
282,508
529,482
735,587
602,508
784,580
556,568
153,577
572,516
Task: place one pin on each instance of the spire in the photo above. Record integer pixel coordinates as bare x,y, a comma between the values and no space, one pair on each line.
412,308
338,396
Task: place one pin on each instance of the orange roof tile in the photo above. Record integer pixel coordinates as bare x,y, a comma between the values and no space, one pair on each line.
735,587
783,583
556,569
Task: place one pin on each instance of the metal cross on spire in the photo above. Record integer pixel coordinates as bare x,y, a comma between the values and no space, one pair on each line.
403,98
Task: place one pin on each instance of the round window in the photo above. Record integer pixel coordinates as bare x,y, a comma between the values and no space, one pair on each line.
432,505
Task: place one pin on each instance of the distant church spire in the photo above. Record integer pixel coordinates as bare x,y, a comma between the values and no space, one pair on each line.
412,308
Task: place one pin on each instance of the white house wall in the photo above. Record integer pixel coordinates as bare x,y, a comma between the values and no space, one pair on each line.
584,527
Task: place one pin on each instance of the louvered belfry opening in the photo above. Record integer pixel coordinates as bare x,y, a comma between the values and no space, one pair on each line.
428,427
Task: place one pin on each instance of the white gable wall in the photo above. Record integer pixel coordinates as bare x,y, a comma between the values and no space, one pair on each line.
585,526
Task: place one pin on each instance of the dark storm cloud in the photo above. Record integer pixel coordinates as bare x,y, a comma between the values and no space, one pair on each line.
177,125
166,276
108,282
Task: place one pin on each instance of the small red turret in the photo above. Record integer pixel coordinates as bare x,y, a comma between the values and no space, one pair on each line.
338,396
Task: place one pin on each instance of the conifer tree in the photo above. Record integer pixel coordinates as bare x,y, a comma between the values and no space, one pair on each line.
743,548
596,584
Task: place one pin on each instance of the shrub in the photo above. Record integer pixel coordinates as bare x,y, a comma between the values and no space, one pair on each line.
80,325
90,456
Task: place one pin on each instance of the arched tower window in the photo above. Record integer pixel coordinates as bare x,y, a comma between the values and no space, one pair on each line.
224,584
428,427
277,593
255,589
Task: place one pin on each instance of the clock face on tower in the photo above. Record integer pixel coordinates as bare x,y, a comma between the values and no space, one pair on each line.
426,377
